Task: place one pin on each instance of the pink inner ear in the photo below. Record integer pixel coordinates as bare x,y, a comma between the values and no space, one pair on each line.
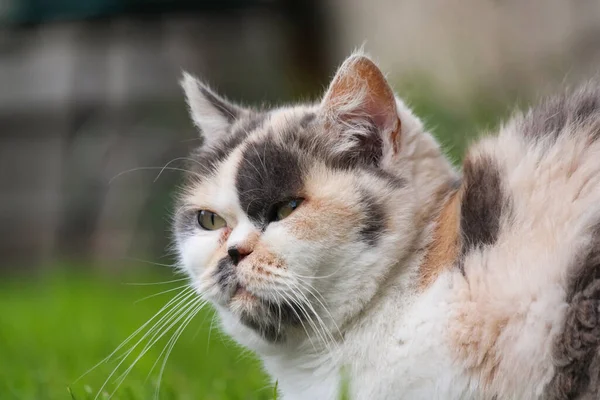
359,90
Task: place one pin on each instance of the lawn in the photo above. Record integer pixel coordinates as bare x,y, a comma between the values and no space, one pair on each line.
56,328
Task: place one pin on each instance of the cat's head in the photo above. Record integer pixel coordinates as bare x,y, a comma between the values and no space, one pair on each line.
291,218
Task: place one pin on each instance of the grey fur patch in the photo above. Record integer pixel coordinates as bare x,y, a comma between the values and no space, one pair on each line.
555,116
367,152
225,275
205,161
397,182
273,319
270,320
307,119
576,351
483,204
374,223
311,143
268,174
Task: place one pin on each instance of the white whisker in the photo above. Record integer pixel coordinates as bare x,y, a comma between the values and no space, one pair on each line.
168,315
173,160
151,169
134,334
173,340
161,293
155,338
155,283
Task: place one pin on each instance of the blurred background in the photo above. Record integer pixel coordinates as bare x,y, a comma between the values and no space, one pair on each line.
90,111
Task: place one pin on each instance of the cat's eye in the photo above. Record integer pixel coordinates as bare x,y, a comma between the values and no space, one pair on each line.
285,209
210,221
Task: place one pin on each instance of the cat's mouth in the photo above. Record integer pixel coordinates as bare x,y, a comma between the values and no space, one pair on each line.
268,318
243,294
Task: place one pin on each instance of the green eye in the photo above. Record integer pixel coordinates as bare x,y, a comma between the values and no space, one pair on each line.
285,209
210,221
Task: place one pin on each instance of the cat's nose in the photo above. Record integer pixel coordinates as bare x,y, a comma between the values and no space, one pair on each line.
237,254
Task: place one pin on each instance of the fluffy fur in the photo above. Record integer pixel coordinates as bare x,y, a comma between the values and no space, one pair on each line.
418,283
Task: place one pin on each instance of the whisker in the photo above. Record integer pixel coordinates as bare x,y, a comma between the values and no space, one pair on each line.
322,276
310,320
154,283
322,305
151,169
149,262
284,298
161,293
306,284
155,338
325,334
174,340
198,302
134,334
172,161
168,315
210,328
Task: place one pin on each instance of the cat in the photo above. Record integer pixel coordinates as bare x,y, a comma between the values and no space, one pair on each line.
337,241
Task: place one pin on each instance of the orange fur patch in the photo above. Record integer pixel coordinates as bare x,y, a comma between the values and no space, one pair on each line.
444,247
358,74
321,219
394,137
261,259
474,339
249,244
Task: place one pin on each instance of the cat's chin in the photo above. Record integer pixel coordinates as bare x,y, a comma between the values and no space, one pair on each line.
269,320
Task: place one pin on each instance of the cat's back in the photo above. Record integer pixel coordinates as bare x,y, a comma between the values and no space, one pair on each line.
527,311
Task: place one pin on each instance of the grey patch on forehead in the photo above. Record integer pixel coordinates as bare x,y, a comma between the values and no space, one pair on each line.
484,204
307,140
268,173
576,350
564,114
373,224
207,160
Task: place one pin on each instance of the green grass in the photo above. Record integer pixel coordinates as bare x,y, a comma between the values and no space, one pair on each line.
54,329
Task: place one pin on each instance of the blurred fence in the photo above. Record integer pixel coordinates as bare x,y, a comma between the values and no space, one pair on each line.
88,90
89,93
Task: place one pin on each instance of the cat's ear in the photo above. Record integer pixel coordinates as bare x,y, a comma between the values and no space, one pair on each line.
363,106
212,114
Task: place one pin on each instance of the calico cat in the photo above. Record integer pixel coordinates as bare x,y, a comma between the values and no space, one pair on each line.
336,240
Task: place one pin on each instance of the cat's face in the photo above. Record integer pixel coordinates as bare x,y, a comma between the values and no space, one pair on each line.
290,218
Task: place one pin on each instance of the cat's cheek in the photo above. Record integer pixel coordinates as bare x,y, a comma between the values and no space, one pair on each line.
299,255
196,252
